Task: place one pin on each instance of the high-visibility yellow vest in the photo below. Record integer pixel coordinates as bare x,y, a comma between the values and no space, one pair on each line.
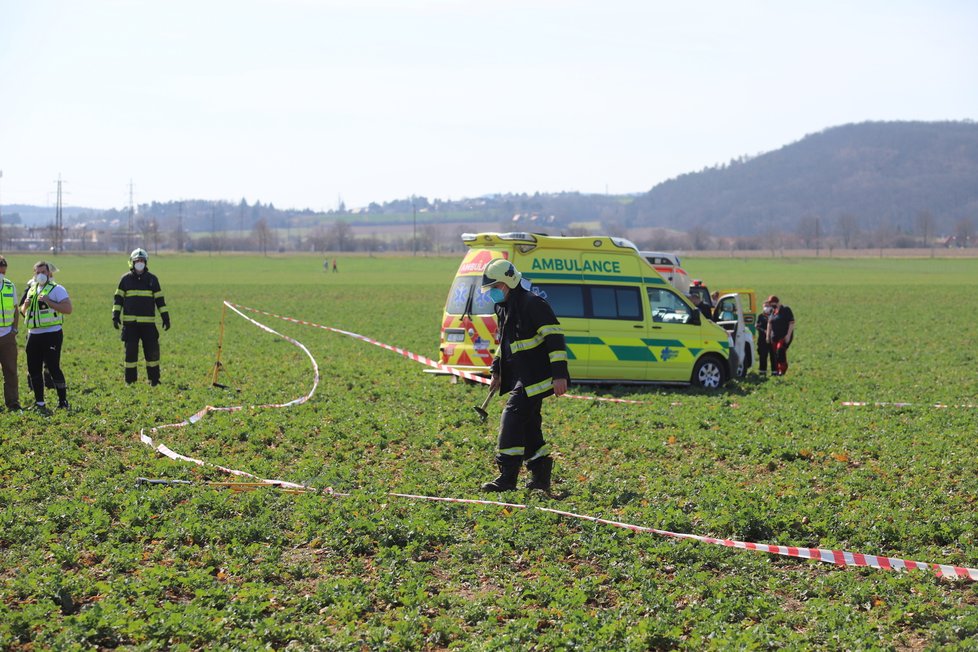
38,317
8,304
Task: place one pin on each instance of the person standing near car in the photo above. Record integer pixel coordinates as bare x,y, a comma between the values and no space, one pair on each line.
9,320
763,346
530,364
44,306
134,307
703,307
780,334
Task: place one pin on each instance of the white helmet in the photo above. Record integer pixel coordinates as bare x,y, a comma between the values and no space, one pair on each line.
501,271
136,255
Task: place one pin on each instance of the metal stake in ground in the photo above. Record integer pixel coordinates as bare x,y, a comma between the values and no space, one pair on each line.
481,409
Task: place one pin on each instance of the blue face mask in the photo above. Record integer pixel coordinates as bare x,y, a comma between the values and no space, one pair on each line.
496,295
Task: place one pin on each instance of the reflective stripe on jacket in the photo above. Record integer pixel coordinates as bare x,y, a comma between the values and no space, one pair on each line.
38,315
8,303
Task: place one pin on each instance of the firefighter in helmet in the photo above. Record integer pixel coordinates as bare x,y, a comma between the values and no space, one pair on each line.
530,364
136,302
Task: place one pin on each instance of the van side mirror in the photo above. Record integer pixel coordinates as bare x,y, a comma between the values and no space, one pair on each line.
694,318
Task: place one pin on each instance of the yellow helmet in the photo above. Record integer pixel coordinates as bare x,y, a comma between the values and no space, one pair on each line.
501,271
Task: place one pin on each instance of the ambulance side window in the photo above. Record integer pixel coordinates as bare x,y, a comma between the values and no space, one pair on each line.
615,303
668,307
566,300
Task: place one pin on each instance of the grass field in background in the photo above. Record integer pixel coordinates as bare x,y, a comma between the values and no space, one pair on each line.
87,559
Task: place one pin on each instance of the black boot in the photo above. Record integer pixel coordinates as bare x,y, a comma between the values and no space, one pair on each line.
540,470
509,471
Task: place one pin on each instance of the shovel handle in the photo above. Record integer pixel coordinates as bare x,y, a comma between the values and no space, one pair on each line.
492,392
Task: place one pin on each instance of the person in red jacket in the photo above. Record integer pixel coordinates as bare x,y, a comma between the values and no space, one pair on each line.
530,364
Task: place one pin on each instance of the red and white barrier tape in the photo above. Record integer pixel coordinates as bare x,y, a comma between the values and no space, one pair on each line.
838,557
428,361
968,406
173,455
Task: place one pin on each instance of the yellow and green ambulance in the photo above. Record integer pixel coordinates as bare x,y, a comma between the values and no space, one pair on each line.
623,322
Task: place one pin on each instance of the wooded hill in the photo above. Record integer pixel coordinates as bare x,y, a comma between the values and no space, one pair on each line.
867,184
877,174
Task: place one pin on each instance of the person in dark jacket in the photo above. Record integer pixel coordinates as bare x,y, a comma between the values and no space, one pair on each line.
530,364
705,311
763,347
780,334
137,299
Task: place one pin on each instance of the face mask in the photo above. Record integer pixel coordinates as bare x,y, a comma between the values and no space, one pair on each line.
496,295
139,267
1,279
41,279
767,310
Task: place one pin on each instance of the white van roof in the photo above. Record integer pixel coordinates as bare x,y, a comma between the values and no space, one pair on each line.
661,258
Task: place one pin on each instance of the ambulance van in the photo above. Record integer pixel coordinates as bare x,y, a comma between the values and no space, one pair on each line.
622,321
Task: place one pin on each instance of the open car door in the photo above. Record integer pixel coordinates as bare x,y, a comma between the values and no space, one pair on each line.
729,314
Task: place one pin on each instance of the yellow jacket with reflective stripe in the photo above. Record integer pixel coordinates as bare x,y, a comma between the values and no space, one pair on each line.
40,314
8,303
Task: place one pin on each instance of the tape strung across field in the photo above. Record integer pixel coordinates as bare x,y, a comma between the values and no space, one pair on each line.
839,557
426,361
903,405
164,450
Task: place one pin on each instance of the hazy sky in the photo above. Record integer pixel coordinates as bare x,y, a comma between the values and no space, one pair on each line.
303,102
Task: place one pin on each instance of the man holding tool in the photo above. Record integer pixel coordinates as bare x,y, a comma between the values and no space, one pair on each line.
134,307
530,364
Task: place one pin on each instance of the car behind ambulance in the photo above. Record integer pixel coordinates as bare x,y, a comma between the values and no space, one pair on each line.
622,321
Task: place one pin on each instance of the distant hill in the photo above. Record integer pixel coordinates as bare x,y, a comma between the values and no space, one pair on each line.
882,174
893,184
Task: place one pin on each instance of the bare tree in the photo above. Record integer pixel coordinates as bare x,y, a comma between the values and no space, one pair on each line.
926,226
263,235
774,240
808,231
319,238
699,238
847,226
340,236
964,232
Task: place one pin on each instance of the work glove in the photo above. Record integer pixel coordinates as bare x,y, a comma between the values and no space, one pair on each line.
115,320
166,321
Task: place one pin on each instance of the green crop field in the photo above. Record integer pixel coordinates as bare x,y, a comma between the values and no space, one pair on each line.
90,560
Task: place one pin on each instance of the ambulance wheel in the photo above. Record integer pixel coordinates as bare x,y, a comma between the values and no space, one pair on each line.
709,372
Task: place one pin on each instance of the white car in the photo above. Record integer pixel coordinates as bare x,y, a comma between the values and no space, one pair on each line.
729,314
